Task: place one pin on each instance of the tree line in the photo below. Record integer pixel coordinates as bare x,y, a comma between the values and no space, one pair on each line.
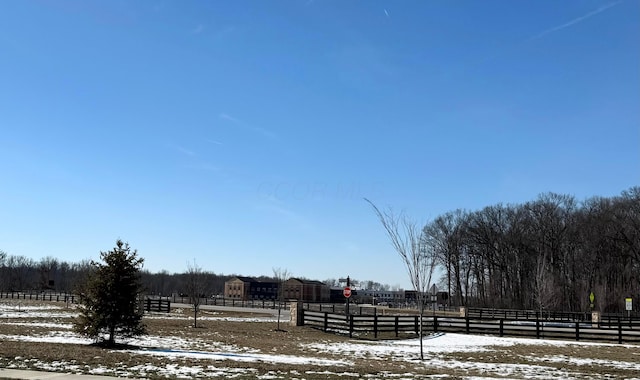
20,273
549,254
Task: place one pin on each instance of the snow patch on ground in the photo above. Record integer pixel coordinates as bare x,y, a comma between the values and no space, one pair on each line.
41,324
240,357
224,319
579,362
342,356
14,307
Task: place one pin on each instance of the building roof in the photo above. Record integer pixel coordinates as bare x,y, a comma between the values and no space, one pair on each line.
307,282
244,279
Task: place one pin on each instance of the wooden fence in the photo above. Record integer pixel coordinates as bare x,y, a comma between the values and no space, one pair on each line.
157,305
378,324
256,304
40,296
527,315
361,324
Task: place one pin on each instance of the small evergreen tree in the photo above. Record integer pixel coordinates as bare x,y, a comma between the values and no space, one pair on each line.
109,302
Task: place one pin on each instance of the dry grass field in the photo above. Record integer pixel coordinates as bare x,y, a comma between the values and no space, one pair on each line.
247,346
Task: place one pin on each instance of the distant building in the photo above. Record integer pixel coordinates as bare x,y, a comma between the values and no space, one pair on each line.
306,290
263,290
248,288
377,297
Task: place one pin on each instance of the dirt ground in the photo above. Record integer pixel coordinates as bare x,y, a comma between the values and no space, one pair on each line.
263,337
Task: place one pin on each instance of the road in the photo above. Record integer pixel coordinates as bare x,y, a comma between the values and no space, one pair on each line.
284,316
41,375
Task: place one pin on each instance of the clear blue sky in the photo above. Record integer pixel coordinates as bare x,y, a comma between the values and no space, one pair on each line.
244,134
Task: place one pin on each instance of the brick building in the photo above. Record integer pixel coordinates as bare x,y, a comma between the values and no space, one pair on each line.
248,288
306,290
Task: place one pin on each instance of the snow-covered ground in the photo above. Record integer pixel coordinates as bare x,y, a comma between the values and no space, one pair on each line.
338,358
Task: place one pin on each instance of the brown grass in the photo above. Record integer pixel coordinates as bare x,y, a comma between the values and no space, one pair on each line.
263,337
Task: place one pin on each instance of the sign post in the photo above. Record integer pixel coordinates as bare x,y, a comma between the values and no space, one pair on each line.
346,292
592,298
628,305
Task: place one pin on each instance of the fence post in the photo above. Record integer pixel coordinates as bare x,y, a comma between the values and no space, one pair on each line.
537,328
396,325
577,331
619,331
350,325
297,313
326,321
375,325
502,327
435,323
466,322
416,327
595,319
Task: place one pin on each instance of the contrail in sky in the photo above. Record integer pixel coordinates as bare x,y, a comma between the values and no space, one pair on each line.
574,21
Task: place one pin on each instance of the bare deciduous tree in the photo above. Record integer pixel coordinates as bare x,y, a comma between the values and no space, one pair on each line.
196,288
47,267
281,276
419,258
4,272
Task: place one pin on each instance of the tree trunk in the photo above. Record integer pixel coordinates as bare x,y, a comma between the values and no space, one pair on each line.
279,308
112,336
421,306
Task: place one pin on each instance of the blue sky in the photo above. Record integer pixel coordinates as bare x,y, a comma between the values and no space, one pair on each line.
244,134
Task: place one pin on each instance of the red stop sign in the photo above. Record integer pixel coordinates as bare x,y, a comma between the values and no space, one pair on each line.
347,292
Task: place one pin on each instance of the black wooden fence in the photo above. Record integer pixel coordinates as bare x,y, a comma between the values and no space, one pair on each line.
232,302
157,305
40,296
622,332
361,324
513,314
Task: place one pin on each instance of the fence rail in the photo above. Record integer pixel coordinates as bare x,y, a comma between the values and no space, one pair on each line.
361,324
40,296
218,301
512,314
548,315
157,305
377,324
